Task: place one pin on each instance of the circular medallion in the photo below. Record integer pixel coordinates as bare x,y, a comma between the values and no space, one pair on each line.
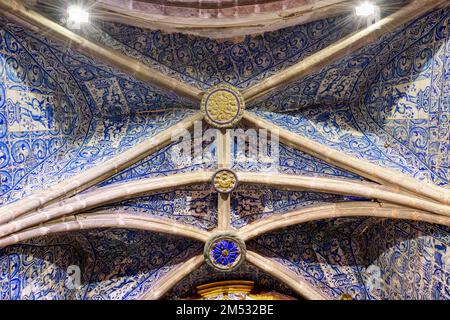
224,251
224,181
223,106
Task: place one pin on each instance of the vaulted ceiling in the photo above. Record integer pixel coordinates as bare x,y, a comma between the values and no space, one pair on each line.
92,177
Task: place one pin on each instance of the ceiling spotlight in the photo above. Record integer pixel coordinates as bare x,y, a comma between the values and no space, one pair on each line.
365,9
77,15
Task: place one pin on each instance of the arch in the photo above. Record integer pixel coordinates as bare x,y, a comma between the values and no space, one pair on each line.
344,187
171,279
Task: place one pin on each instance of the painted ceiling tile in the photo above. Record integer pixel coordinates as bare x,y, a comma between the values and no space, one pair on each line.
130,262
411,258
124,266
195,205
276,157
404,105
172,159
102,143
417,145
38,269
251,203
205,274
336,127
334,273
366,258
38,118
294,161
207,62
259,150
347,79
75,114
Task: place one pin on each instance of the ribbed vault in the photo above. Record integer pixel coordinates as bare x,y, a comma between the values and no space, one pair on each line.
92,176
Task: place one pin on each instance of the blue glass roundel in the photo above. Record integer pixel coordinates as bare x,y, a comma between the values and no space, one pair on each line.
225,252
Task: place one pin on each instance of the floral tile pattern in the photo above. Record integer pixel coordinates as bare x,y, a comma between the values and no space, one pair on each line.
61,114
393,114
195,205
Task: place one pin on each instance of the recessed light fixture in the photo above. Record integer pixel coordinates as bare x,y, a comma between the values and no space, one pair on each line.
365,9
77,15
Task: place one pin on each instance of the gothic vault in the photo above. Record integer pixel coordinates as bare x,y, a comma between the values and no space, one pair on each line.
127,164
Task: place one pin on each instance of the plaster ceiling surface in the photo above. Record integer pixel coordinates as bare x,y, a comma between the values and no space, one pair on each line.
63,112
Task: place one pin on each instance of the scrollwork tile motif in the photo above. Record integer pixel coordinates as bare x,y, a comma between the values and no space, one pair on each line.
165,162
206,274
335,127
37,271
129,263
115,264
386,103
412,258
404,105
195,205
340,256
207,62
293,161
37,118
61,112
286,160
346,79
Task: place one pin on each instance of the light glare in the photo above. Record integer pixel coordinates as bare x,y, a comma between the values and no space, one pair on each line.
365,9
77,14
